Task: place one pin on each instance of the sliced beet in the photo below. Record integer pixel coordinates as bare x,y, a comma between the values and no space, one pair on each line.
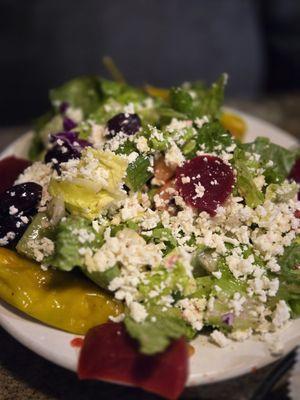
109,354
10,168
205,182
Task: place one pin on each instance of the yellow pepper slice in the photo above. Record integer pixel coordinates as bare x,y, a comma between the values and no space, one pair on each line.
235,124
61,299
157,92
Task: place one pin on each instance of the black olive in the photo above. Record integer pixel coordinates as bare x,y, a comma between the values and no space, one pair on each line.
24,197
124,123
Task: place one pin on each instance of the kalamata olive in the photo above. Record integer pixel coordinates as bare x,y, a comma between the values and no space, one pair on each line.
61,153
24,197
205,182
125,123
69,124
12,228
63,107
66,146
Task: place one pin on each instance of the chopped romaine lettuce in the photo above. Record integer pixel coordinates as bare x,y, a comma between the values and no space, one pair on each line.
164,235
197,101
156,333
71,235
96,184
138,173
181,100
211,137
83,93
245,183
289,289
170,279
39,228
281,193
209,101
276,160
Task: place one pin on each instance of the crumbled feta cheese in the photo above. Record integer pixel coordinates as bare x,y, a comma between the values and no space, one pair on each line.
138,311
142,144
281,314
174,156
219,338
41,248
259,181
240,266
128,248
13,210
199,190
75,114
129,108
217,274
118,318
84,236
132,157
241,335
131,208
193,311
150,219
98,135
185,179
201,121
7,238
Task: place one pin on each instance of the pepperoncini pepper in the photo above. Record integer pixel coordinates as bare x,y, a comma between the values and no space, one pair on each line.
235,124
63,300
157,92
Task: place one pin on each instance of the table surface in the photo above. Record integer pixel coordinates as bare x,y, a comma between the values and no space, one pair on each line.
26,376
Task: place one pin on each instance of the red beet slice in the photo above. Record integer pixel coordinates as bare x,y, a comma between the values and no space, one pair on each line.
109,354
10,168
205,182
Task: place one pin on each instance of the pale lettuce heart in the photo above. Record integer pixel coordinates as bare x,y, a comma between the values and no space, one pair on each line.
92,184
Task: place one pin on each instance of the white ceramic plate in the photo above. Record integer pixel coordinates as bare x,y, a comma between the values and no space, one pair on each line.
209,363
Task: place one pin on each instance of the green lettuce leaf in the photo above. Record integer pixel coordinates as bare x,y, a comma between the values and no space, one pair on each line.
157,332
283,159
214,137
83,92
88,197
281,193
289,289
164,235
209,101
138,173
198,100
67,243
67,255
38,229
173,281
245,183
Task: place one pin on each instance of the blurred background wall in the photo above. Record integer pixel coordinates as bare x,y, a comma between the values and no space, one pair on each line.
162,42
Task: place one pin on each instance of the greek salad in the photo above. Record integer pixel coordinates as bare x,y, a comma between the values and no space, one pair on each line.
151,196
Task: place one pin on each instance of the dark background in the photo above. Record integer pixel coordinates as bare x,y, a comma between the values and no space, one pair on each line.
162,42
